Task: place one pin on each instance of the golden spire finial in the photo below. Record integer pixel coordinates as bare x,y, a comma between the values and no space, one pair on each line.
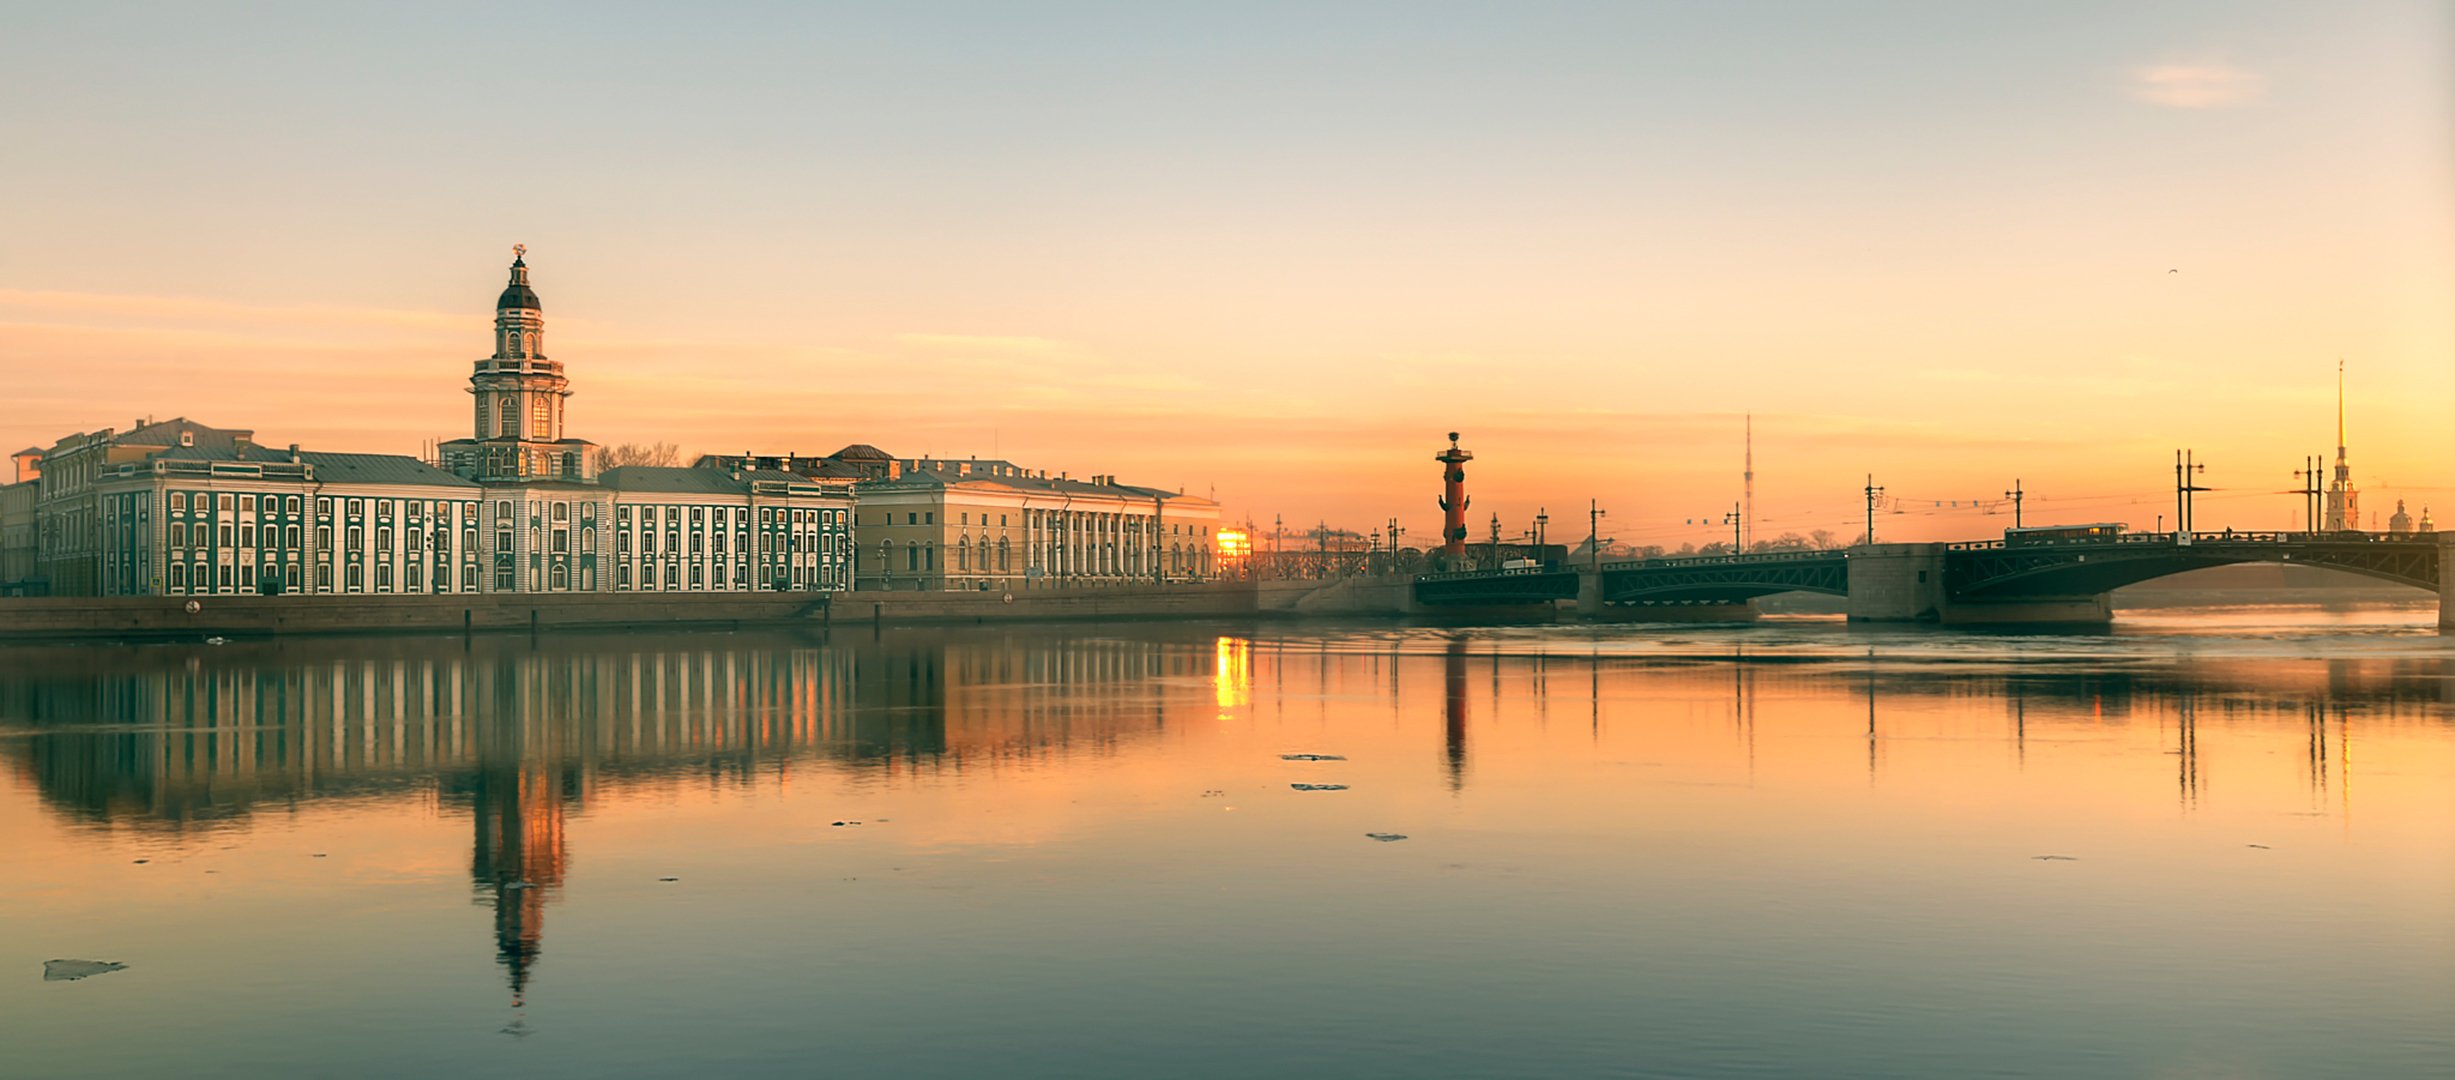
519,252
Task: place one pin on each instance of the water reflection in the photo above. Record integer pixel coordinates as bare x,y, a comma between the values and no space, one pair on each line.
1725,816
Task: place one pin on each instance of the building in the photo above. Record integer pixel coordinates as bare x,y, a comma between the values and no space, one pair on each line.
18,546
181,508
67,507
929,524
2343,502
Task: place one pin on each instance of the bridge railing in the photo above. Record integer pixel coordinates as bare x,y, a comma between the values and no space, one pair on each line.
1678,561
2221,537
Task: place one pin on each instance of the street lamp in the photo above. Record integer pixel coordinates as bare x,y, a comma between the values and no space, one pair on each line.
1542,522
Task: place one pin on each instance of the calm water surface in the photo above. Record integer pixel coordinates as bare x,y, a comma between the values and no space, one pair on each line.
2208,844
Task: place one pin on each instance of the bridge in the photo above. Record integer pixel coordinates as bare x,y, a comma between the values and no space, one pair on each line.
1987,581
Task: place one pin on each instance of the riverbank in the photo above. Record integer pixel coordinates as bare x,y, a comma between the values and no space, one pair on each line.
171,618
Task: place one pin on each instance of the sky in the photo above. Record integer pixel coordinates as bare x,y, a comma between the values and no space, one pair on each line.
1276,252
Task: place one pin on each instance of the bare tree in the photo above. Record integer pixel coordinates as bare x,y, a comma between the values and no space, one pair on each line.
662,454
1822,538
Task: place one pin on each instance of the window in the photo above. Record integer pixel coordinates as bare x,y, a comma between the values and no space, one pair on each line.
468,578
562,541
698,515
507,413
247,575
622,576
323,540
323,577
414,576
911,518
929,517
673,576
247,536
357,578
323,507
226,534
697,580
226,502
290,504
588,539
178,534
178,502
967,517
561,577
623,514
383,577
562,511
357,539
247,503
178,577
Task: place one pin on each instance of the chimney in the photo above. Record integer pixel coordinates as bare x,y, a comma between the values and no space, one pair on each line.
294,452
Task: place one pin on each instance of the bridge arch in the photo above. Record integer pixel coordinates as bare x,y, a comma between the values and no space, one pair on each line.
1998,573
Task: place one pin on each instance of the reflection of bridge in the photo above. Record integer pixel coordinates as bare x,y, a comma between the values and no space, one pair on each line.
1984,581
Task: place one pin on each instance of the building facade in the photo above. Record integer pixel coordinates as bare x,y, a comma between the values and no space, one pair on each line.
990,525
180,508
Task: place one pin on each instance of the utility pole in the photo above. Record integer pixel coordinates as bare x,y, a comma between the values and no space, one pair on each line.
1542,521
2015,495
1594,529
2310,491
2186,472
1732,519
1495,541
1873,493
1747,477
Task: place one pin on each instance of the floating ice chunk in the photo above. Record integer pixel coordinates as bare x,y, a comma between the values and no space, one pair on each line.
2056,858
1319,787
72,970
1386,837
1312,757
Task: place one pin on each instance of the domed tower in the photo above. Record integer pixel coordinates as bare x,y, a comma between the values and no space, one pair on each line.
517,398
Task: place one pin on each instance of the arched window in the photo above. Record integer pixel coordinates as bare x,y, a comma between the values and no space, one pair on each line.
561,577
515,343
541,419
1001,554
507,415
963,554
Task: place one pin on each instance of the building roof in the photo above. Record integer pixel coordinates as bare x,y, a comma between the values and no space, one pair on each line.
377,469
933,479
34,450
518,294
862,452
672,480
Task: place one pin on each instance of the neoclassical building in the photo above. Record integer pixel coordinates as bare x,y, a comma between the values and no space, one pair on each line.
991,525
181,508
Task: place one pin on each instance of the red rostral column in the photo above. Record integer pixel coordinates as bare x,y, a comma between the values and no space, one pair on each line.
1453,499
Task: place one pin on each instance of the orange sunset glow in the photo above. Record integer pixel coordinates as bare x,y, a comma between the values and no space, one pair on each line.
1950,256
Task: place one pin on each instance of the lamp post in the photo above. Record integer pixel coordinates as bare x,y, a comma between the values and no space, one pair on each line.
1542,520
1732,519
1594,530
2015,495
2186,474
1873,493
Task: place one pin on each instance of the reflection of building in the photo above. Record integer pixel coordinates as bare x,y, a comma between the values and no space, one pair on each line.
519,857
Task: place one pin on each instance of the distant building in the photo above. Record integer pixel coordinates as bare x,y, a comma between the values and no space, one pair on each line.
2343,503
2400,523
17,540
984,524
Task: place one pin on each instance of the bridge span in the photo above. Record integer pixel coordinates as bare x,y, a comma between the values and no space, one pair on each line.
1978,582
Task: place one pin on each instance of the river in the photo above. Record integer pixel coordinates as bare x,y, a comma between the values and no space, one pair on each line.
2210,842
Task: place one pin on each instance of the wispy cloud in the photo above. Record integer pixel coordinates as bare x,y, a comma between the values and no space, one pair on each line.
2208,85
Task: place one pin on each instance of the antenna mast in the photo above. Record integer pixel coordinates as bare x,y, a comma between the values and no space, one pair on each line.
1748,486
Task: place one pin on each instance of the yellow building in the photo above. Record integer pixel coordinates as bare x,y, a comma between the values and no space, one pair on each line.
990,525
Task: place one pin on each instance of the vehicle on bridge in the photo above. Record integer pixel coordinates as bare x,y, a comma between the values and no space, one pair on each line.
2062,534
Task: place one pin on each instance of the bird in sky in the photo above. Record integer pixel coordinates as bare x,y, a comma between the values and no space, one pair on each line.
2173,271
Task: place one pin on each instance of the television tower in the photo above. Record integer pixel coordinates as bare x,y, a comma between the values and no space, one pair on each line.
1453,499
1747,511
2343,503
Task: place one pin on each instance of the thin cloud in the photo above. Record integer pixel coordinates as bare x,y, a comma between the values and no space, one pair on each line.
2197,86
980,343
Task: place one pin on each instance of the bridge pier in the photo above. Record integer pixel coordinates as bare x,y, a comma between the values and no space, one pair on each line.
1897,583
2446,582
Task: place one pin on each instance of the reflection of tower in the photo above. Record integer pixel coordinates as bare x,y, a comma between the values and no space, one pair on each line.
1453,499
1453,677
519,858
2343,503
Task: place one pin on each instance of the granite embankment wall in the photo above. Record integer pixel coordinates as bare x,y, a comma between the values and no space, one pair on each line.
71,618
